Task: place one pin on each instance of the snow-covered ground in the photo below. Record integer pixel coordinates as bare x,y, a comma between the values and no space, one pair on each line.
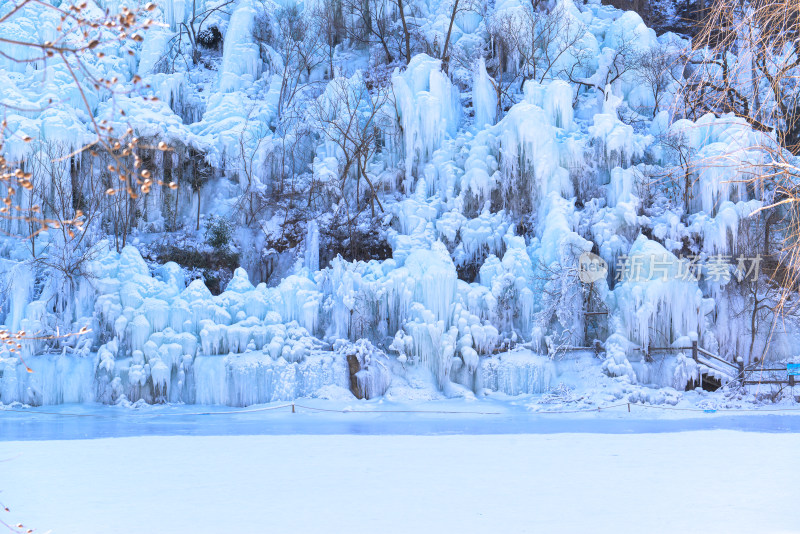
694,481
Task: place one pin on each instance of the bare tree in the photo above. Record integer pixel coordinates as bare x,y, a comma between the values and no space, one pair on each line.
756,293
328,21
250,169
531,44
194,32
373,25
653,68
81,33
678,181
745,61
301,49
564,301
459,6
65,195
351,117
406,30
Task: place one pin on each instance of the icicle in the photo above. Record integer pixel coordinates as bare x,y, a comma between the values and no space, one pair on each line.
312,247
558,103
240,57
484,97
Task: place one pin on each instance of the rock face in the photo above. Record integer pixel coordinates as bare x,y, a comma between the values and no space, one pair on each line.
368,368
354,366
642,7
665,15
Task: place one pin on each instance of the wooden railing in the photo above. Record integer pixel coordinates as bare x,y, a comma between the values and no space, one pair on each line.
776,376
730,369
703,357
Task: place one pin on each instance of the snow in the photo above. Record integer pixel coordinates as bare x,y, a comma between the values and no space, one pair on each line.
527,483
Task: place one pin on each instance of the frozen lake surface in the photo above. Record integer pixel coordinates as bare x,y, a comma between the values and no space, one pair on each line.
87,469
694,481
313,416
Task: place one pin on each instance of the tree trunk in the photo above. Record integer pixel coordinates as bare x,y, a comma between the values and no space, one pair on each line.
445,59
753,322
406,33
769,219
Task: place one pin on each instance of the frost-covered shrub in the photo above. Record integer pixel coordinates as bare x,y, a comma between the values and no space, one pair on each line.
218,233
560,394
210,38
213,261
362,241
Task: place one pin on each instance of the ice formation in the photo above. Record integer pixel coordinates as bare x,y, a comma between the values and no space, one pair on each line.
485,215
428,108
484,97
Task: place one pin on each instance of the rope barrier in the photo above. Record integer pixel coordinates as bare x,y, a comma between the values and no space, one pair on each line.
50,413
264,409
584,410
447,412
141,414
545,412
714,410
398,411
